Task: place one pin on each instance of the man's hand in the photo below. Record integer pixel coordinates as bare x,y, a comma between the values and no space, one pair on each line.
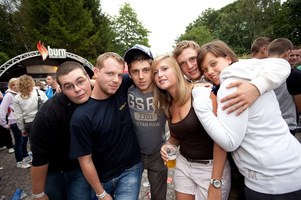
242,98
214,193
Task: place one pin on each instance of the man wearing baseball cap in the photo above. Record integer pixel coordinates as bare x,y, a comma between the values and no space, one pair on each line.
148,126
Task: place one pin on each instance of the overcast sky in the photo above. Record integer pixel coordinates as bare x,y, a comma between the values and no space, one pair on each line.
166,19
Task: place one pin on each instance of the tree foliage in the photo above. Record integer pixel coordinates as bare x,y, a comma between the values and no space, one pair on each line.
129,30
61,24
200,34
241,22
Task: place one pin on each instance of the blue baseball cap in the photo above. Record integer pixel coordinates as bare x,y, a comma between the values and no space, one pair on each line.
137,48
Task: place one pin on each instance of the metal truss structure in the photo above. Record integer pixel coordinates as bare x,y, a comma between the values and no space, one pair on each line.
32,54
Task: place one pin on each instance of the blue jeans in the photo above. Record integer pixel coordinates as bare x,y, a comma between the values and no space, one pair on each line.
127,185
68,185
20,143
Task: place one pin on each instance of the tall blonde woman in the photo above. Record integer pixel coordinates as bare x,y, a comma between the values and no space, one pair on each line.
200,162
26,103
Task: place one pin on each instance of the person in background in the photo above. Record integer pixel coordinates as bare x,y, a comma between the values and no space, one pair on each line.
53,86
298,63
102,135
8,122
149,127
259,48
53,174
294,56
202,170
265,152
288,95
26,103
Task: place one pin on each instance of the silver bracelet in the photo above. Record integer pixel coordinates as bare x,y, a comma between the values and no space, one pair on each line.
36,196
102,195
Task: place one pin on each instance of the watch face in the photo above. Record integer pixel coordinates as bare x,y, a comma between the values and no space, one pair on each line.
217,183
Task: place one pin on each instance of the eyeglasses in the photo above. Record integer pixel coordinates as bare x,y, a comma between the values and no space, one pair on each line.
191,60
79,83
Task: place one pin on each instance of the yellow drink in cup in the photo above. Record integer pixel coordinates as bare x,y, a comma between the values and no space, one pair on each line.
172,152
171,163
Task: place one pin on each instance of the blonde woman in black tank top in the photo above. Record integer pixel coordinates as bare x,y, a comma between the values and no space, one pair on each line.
173,95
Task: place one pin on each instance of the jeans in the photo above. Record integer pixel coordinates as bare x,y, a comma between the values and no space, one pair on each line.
157,175
68,185
20,143
127,185
5,138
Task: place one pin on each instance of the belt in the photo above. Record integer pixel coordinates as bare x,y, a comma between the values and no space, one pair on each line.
200,161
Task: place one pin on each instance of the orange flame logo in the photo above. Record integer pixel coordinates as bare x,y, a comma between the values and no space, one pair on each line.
43,50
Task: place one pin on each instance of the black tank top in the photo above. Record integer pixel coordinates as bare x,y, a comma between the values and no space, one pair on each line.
195,143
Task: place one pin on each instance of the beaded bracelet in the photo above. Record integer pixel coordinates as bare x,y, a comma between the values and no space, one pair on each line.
36,196
102,195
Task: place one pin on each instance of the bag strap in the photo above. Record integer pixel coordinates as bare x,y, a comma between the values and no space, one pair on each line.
38,93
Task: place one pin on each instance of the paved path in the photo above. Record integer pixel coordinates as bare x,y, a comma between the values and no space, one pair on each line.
14,178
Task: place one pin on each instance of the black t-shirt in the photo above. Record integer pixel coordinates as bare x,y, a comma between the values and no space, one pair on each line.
293,82
104,129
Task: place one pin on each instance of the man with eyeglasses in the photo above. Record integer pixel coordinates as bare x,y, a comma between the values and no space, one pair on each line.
102,134
53,174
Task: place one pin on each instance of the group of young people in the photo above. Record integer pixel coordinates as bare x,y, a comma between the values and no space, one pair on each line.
94,143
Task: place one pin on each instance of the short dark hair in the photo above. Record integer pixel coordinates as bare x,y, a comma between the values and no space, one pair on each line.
53,75
279,46
66,68
139,57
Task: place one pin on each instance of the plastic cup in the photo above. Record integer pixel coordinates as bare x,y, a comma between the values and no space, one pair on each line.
172,152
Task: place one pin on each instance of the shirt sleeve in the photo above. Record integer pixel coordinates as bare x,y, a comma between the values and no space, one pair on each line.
81,135
19,114
4,109
293,82
224,129
41,142
274,73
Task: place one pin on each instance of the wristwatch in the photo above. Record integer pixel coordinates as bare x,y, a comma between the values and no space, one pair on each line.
216,183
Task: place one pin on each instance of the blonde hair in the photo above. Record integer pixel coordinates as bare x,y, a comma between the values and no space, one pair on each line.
184,45
11,82
25,85
104,56
162,99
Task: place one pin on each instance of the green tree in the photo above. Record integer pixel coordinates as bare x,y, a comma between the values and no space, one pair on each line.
129,30
12,38
65,24
103,30
200,35
288,21
245,20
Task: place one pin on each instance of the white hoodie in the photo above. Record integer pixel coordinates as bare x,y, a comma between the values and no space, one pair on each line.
262,147
26,109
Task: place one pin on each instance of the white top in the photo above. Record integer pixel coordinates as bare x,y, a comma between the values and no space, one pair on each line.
263,149
26,109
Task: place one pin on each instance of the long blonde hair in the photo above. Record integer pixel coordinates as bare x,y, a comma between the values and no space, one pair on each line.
25,85
162,99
